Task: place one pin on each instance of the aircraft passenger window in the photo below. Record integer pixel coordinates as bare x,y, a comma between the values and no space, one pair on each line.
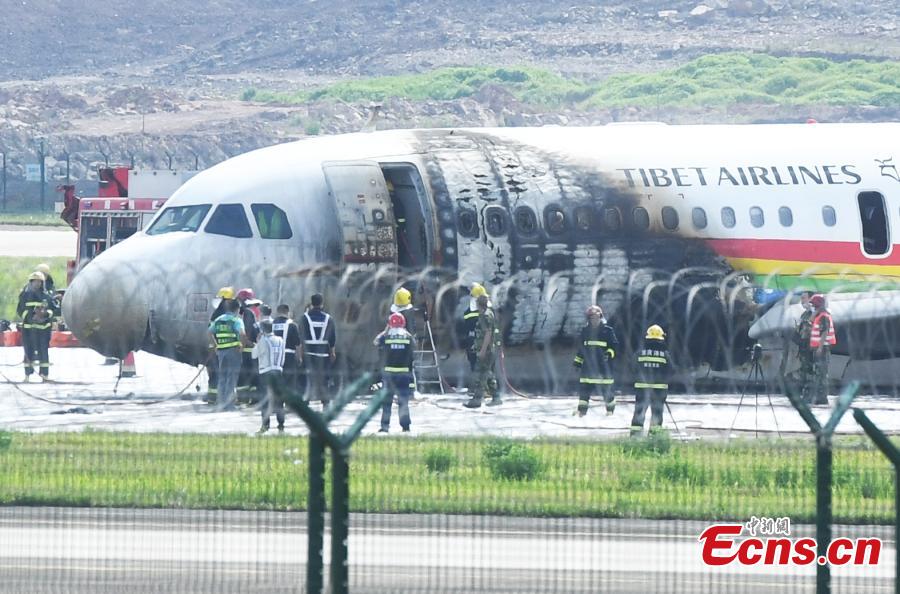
728,218
179,218
785,216
584,217
495,221
698,217
612,219
641,217
876,235
526,221
467,222
670,218
229,220
555,220
757,218
271,221
829,217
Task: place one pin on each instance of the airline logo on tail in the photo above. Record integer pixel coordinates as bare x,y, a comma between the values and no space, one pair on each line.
888,169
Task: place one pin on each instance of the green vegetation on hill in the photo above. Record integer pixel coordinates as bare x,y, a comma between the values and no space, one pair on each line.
713,80
652,478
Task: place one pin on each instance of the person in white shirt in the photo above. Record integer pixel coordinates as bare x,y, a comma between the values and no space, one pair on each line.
269,353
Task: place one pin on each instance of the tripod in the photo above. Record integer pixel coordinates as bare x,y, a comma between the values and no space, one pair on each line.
756,376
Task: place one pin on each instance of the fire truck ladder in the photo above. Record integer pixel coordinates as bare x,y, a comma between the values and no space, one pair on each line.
426,369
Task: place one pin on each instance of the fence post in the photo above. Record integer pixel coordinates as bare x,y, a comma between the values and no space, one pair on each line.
4,180
893,454
316,515
824,460
320,437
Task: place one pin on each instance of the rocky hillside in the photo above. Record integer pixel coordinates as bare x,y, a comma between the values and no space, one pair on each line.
159,82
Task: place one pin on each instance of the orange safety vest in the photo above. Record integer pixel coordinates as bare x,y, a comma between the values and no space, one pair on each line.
815,335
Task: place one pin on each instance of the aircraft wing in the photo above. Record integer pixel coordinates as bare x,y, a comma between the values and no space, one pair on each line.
846,309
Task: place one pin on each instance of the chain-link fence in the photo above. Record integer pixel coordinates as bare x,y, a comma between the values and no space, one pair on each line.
115,483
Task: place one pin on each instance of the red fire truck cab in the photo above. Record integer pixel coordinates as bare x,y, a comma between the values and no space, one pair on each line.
126,201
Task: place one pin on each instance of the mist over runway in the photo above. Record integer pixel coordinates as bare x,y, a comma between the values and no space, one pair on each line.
166,397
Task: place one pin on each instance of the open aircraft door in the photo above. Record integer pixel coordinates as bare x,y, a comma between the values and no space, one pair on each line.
364,211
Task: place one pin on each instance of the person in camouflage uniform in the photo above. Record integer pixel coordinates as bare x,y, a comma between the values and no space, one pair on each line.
804,352
487,345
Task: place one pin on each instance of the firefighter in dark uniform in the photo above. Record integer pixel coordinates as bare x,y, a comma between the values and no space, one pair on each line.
224,295
652,384
36,311
284,327
398,345
487,347
469,324
597,350
821,338
317,349
804,352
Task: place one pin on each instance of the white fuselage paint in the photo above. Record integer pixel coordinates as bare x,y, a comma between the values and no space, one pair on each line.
169,280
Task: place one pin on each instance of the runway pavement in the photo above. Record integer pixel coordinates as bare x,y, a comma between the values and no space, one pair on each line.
24,240
126,550
166,396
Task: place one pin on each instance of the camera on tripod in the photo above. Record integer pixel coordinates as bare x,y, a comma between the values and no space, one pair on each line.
756,353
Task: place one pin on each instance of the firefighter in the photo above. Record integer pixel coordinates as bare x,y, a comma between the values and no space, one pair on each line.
249,310
284,327
594,360
317,349
399,346
821,338
403,305
35,309
487,343
651,386
49,285
229,337
804,352
224,295
469,324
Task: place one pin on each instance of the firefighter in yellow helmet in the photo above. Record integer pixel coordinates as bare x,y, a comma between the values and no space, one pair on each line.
403,305
225,295
594,360
469,323
36,311
652,384
487,344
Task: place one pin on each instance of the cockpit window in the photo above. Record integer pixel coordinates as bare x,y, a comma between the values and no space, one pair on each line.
271,221
230,220
179,218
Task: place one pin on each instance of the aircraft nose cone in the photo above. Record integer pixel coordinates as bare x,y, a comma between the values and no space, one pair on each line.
104,309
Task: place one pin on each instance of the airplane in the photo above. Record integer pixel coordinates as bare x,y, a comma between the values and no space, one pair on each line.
709,230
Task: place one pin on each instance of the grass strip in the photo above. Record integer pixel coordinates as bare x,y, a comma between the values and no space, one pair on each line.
578,478
39,219
725,79
14,273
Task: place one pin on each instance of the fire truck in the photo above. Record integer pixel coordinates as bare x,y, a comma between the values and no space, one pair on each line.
126,201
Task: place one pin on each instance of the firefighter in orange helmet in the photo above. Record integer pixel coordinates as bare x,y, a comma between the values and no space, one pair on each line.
821,338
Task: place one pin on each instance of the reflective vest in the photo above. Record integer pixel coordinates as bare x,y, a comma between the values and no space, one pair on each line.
399,353
226,336
316,345
281,329
815,334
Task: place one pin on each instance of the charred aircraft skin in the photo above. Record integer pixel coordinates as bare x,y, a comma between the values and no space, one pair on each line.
550,235
540,215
